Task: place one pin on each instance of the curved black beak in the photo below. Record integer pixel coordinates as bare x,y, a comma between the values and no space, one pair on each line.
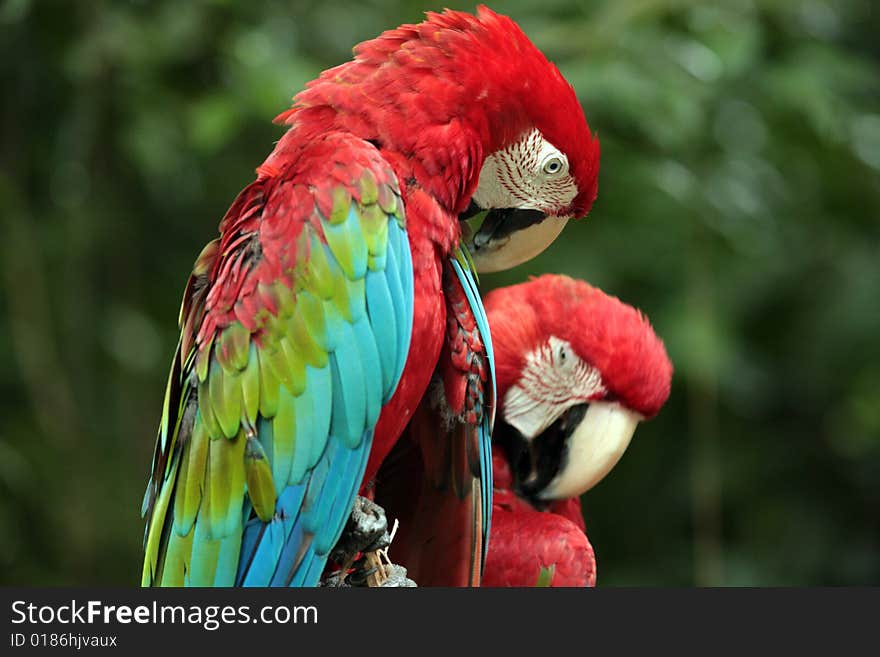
500,224
508,236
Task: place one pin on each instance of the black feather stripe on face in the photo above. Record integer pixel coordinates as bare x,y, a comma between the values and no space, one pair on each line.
500,223
535,462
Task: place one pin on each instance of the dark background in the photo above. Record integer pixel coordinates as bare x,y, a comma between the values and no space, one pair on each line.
739,207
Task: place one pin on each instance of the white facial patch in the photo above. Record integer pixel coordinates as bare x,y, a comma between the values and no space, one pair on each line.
530,174
594,449
553,380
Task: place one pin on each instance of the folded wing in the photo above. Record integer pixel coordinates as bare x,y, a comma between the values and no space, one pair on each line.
295,329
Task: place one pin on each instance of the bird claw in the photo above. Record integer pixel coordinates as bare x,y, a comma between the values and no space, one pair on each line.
394,577
365,531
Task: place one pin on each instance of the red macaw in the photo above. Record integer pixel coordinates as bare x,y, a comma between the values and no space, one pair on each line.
535,544
577,371
342,282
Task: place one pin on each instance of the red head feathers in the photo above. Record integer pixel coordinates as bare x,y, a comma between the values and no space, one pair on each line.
604,332
440,96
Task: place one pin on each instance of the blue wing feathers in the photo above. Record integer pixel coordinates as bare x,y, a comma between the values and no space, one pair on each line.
368,350
405,273
399,262
322,387
319,519
295,544
349,475
470,289
315,489
383,321
314,568
349,396
260,548
269,540
304,407
250,539
319,440
299,576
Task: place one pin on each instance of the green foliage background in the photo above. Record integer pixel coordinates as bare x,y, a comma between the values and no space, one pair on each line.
738,207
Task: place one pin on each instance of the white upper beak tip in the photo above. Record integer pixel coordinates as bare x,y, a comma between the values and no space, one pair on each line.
594,448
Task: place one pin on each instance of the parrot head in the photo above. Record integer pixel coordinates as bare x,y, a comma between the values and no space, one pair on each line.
467,109
541,166
527,192
577,371
543,173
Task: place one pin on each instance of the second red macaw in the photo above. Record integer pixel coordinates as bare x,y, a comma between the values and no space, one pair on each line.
577,370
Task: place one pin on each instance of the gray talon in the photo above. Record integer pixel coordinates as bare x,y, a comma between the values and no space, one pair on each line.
365,531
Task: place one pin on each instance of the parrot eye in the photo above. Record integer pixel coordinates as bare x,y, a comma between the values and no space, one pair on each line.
560,356
553,166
